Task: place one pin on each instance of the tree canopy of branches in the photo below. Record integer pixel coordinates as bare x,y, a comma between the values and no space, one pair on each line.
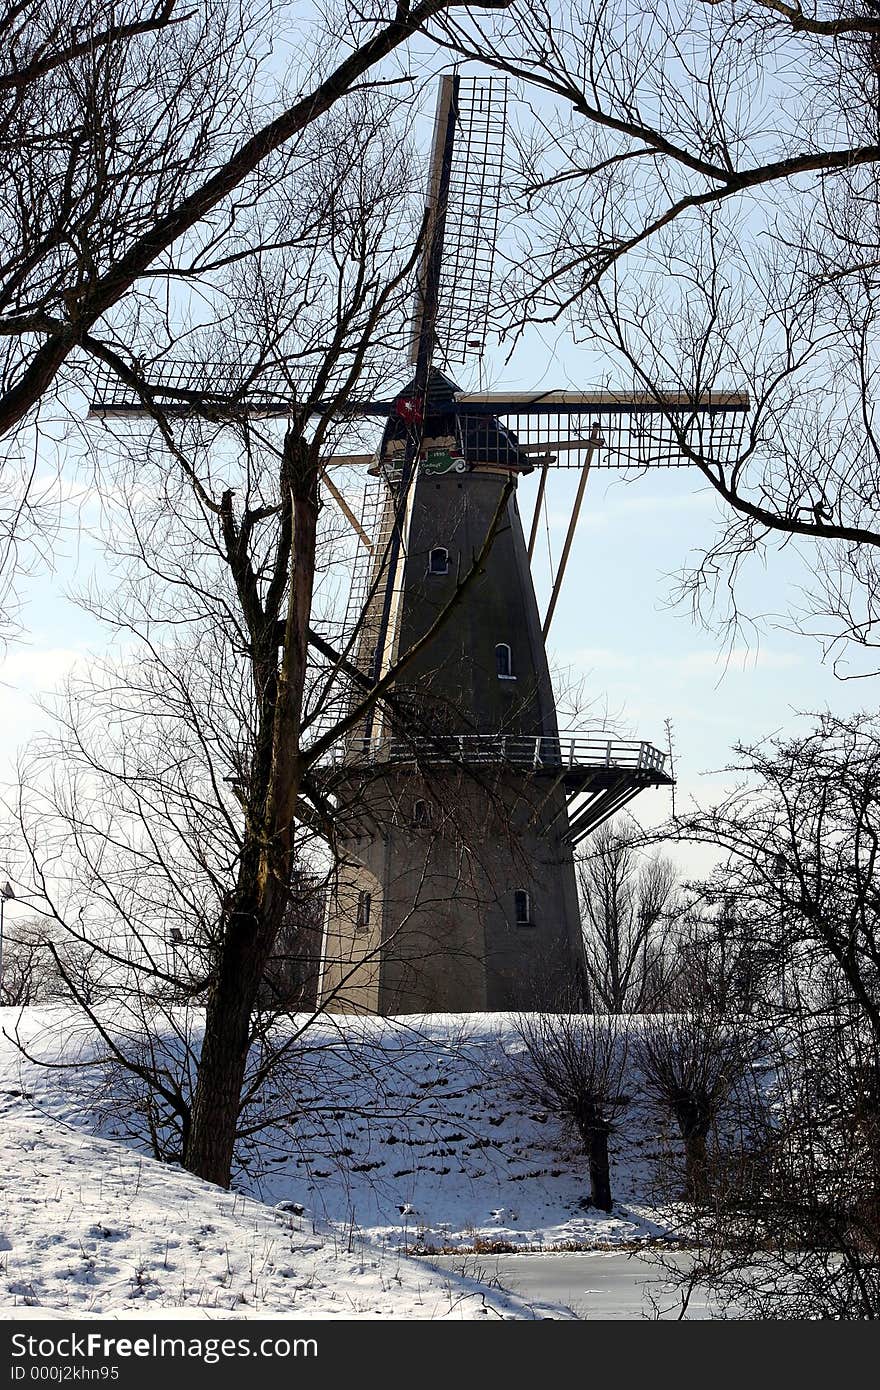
138,142
629,904
727,959
689,1063
698,192
31,973
791,1225
802,834
799,1235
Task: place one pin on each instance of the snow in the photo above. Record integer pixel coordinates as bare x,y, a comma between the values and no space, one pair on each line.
92,1228
409,1136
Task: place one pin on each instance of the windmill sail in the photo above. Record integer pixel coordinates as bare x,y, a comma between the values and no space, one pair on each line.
472,218
639,429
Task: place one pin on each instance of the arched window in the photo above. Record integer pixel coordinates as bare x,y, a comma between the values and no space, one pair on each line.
438,560
504,662
364,908
421,815
522,908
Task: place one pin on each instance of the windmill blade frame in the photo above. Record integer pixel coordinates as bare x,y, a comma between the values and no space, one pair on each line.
473,213
211,391
639,429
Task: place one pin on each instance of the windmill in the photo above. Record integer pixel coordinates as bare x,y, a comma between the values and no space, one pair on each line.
457,888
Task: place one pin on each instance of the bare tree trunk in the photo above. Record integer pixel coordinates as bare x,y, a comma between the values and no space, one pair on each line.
594,1134
211,1142
695,1163
596,1141
256,913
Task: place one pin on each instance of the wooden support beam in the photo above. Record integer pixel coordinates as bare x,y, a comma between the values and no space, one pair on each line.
559,446
578,402
349,460
596,441
539,501
346,509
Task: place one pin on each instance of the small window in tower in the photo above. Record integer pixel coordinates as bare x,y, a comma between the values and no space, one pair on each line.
364,907
504,662
421,815
522,908
438,560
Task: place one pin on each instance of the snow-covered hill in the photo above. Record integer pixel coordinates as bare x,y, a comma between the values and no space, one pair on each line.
408,1135
90,1228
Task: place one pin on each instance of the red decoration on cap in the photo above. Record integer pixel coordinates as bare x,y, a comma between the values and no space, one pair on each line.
410,409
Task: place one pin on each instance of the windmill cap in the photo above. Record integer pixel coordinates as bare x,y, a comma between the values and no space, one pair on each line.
480,440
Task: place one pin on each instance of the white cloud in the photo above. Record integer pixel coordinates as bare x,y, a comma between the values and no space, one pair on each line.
36,671
27,675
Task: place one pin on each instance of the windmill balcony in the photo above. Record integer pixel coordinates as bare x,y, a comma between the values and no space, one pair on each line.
565,755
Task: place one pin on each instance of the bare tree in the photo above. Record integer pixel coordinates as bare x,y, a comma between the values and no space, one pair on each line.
629,906
690,1063
31,973
574,1065
796,1232
800,833
790,1230
728,955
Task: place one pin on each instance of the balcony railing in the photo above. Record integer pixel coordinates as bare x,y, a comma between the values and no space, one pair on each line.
541,753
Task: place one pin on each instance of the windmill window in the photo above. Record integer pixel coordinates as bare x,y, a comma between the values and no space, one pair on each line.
438,560
504,662
421,814
522,908
364,908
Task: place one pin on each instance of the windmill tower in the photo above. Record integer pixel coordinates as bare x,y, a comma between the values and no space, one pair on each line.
459,800
457,889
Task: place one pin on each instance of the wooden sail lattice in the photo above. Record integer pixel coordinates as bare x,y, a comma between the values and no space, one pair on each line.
636,430
472,217
361,622
180,387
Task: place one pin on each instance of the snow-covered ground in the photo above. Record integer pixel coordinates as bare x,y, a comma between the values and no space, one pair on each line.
409,1135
